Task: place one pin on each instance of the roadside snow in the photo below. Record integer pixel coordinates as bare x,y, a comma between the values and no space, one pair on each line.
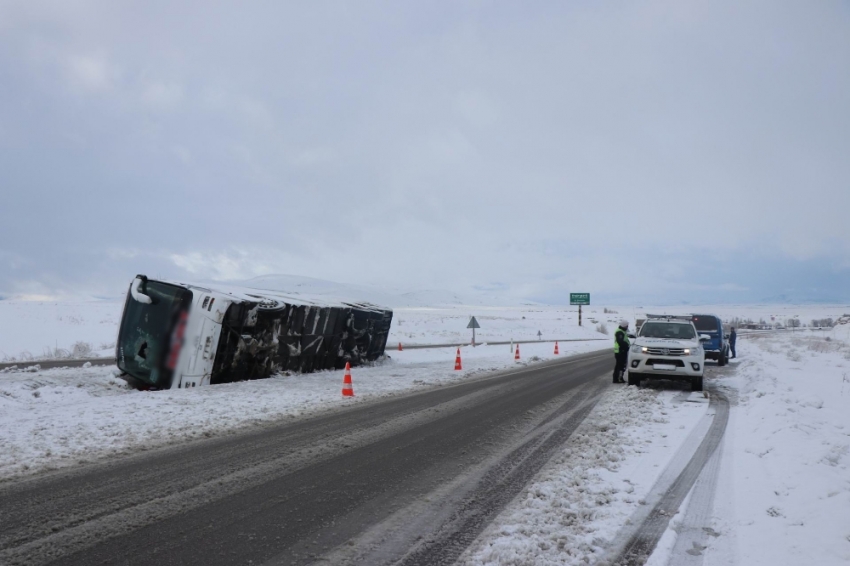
784,491
62,417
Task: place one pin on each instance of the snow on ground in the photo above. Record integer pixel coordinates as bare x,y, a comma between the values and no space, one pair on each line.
448,325
771,314
60,417
784,492
50,329
783,495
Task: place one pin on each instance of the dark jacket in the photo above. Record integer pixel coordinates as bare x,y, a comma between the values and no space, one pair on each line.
733,337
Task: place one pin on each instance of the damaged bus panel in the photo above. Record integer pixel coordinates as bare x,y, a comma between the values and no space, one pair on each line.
177,335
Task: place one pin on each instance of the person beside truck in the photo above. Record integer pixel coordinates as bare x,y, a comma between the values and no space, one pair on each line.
733,337
621,351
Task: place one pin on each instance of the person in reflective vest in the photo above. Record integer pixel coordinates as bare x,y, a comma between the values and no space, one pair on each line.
621,350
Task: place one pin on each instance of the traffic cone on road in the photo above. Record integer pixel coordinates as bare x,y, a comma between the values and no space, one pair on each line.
556,348
399,347
516,353
347,389
457,361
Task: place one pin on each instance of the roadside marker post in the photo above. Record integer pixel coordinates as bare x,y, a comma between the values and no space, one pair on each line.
473,324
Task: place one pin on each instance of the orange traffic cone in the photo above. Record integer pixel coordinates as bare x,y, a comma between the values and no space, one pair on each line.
457,361
556,348
347,389
516,352
399,347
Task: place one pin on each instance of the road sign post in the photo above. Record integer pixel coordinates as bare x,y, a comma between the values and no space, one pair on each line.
579,299
473,324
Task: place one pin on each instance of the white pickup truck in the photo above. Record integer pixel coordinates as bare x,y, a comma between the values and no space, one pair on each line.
667,347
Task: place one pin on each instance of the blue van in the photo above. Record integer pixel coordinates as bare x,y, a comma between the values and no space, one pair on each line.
718,347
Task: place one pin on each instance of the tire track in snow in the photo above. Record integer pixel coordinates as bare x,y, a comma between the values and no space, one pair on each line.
640,541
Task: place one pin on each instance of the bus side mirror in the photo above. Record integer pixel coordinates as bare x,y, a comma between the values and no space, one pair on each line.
138,295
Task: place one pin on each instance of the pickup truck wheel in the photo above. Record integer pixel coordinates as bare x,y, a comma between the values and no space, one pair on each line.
633,380
696,383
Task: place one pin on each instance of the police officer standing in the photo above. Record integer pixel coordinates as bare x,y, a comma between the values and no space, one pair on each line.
732,339
621,350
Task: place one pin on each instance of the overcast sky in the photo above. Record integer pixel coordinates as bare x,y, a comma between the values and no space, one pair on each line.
640,151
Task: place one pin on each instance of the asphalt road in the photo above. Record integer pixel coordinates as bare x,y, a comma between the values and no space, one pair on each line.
410,480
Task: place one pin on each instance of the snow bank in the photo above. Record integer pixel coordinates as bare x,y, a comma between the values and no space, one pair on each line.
784,496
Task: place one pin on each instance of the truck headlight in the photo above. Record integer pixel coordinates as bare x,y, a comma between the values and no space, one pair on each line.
688,351
635,348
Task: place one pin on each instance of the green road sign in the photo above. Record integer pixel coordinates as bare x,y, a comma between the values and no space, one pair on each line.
579,298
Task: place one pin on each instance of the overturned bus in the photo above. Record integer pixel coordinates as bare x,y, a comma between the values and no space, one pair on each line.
177,335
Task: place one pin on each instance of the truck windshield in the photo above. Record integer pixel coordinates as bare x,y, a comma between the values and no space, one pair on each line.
149,332
673,330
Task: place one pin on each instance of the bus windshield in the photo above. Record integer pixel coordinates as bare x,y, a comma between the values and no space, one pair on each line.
675,330
148,332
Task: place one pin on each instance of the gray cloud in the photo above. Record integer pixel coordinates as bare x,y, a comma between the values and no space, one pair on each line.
643,150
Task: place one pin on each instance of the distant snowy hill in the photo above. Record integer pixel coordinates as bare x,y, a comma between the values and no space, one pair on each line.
332,291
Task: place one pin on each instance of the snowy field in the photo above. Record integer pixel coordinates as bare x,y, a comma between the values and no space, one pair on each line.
50,329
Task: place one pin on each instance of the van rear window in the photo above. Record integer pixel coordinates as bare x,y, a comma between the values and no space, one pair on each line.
706,323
